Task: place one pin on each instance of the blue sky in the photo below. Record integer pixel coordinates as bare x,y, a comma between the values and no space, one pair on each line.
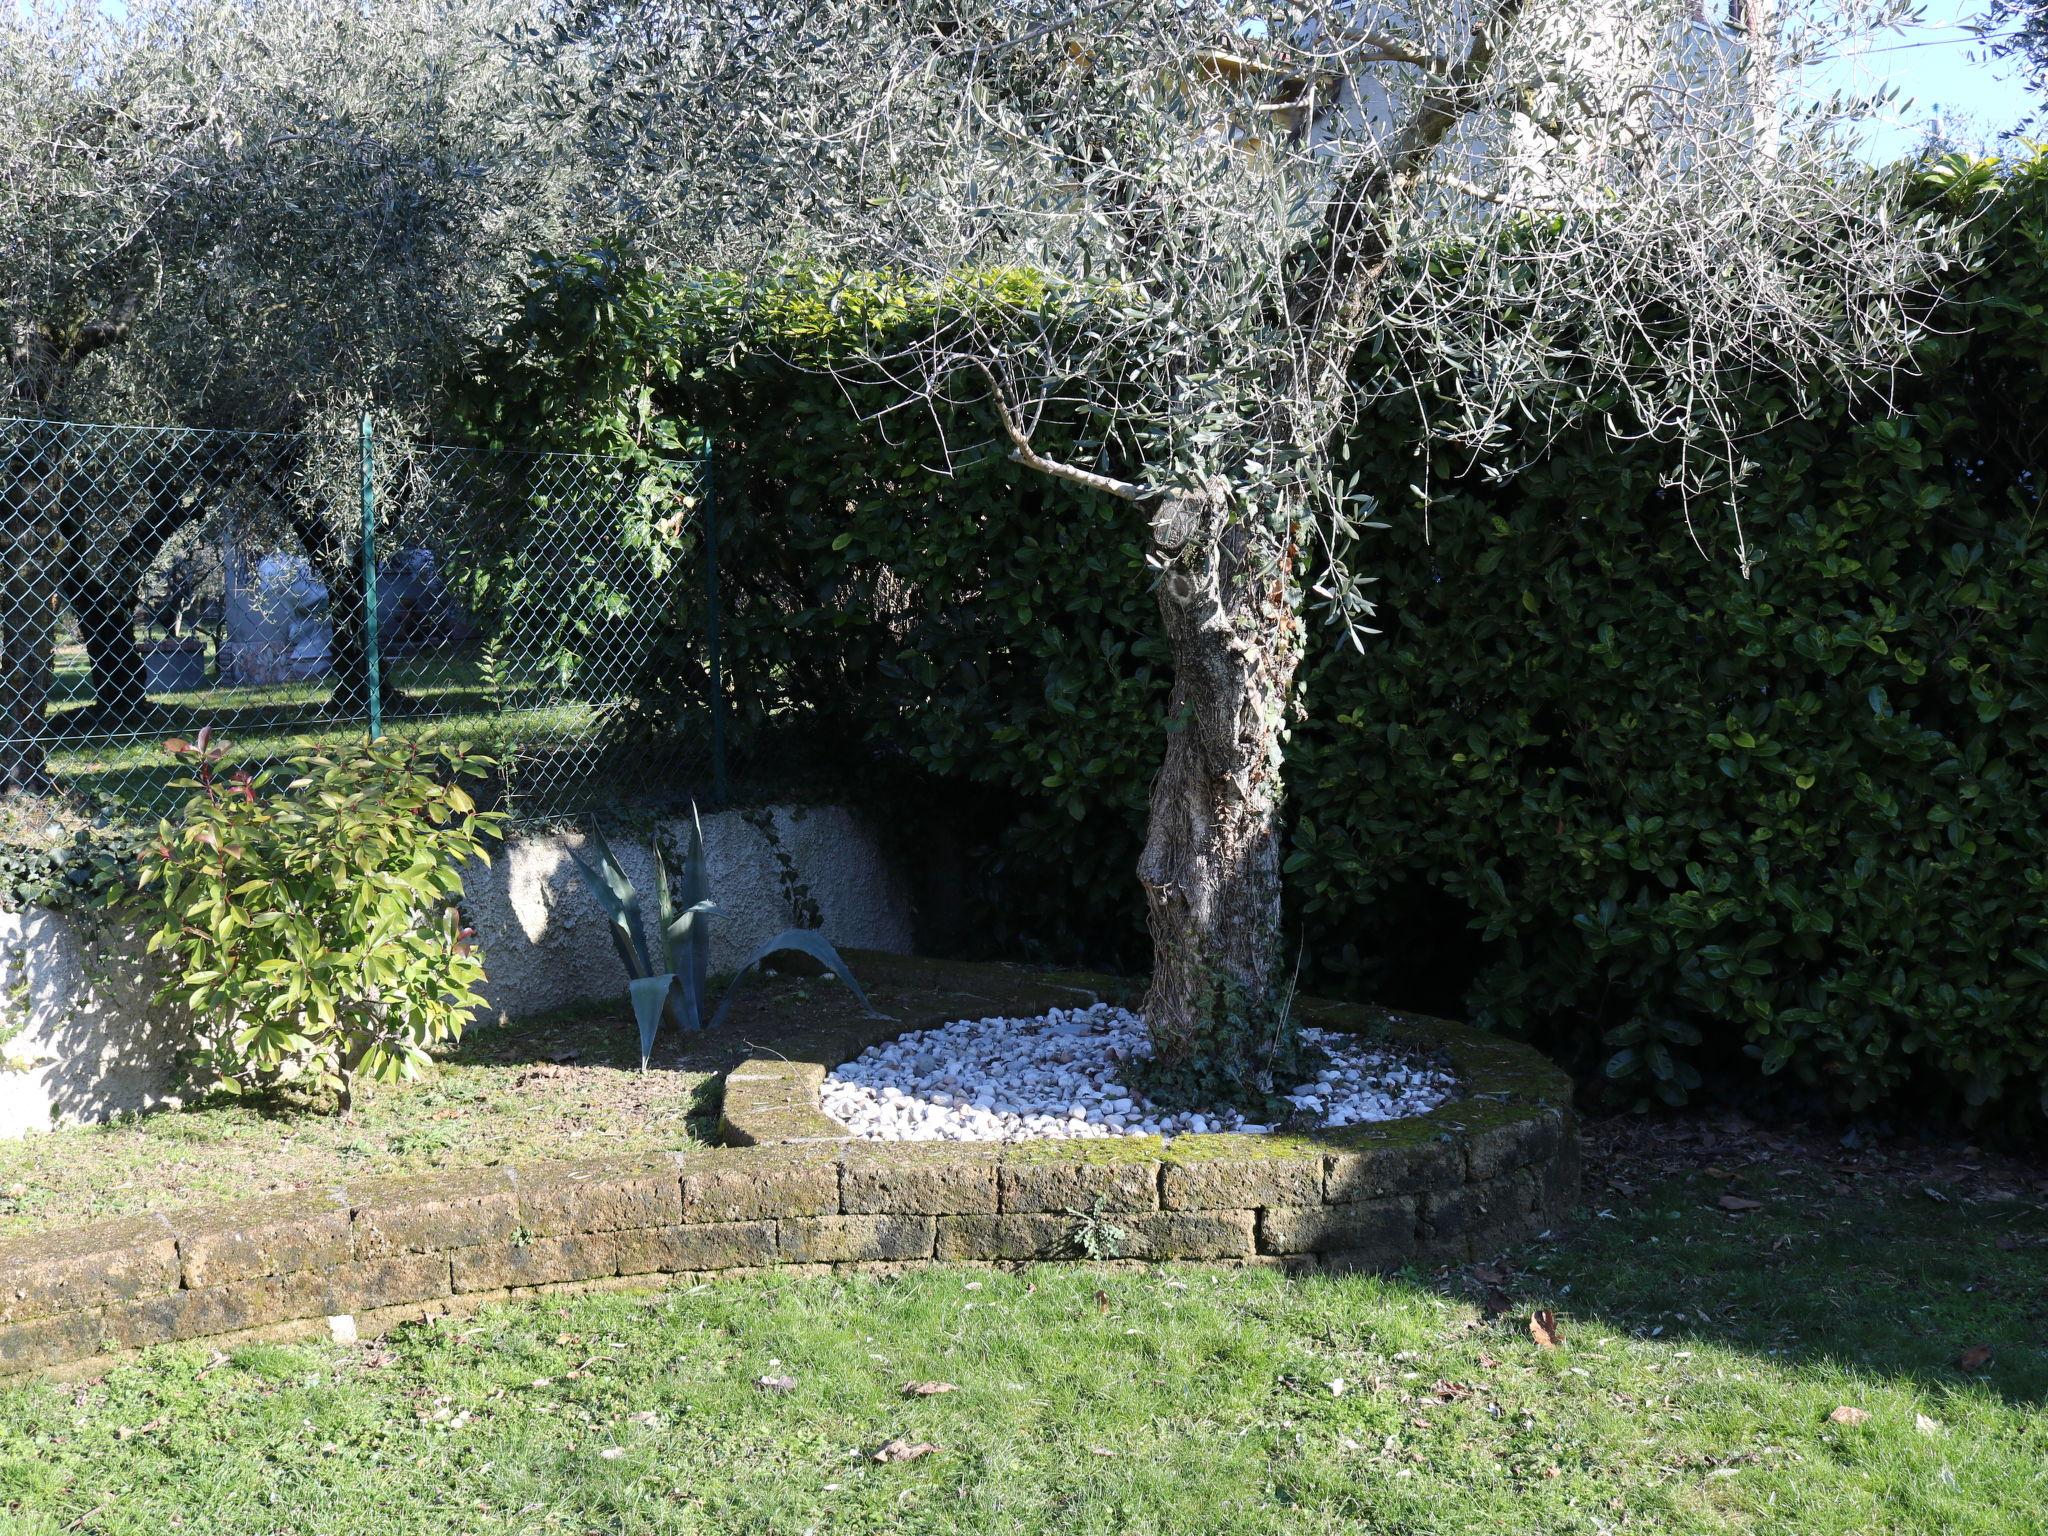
1940,69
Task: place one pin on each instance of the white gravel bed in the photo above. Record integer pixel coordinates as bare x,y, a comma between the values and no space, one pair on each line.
1060,1075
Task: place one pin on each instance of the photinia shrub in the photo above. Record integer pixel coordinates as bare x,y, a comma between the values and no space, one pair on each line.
313,926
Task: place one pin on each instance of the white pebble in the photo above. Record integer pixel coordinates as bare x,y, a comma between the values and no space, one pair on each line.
1061,1076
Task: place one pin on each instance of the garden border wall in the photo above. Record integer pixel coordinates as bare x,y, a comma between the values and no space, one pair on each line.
1482,1171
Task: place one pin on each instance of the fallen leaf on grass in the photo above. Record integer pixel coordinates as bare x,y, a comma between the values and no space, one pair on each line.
1925,1425
1488,1363
776,1383
905,1450
1496,1301
1102,1302
1738,1203
1847,1415
2007,1242
1450,1391
1544,1330
1487,1274
1336,1387
1975,1358
1096,1450
927,1388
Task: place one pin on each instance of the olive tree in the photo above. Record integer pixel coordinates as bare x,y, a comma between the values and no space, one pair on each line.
271,214
1253,219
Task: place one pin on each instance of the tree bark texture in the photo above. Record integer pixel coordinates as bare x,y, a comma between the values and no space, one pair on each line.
1211,863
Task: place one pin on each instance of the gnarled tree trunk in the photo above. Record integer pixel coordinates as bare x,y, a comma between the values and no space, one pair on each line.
1211,865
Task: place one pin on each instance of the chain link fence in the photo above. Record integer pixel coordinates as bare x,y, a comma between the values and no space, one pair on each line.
306,590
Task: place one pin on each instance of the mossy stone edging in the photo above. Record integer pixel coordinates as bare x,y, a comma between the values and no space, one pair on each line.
1483,1170
1495,1164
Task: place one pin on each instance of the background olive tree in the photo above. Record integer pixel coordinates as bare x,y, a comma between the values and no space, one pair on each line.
1252,219
267,214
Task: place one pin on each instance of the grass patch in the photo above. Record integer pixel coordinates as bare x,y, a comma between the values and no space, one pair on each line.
1704,1352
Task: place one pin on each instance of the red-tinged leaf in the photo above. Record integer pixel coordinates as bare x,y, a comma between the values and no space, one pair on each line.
905,1450
1975,1358
1544,1330
1738,1203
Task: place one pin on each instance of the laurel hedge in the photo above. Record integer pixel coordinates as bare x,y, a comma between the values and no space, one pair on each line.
1592,784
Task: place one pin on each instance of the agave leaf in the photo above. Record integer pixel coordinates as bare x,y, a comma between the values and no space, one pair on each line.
622,914
682,936
650,996
806,941
682,1005
697,892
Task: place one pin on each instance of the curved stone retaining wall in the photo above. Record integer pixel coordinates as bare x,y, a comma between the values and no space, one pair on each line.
1489,1168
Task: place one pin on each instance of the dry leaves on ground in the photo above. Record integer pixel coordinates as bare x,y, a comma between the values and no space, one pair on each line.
905,1450
927,1388
1975,1358
1847,1415
1738,1203
1544,1330
776,1383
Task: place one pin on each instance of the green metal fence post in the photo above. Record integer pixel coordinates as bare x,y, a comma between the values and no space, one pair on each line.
717,701
371,662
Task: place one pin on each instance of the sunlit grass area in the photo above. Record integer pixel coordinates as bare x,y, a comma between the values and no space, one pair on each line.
529,718
1836,1360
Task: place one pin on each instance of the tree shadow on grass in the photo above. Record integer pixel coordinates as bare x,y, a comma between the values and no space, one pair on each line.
1924,1263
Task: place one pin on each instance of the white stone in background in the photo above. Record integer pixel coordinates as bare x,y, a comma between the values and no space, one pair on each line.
1061,1075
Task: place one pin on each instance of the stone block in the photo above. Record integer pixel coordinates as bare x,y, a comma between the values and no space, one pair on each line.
600,1195
270,1235
433,1213
216,1309
1531,1136
919,1179
109,1261
1366,1172
853,1239
756,1184
1190,1235
1114,1175
537,1261
1387,1227
1215,1173
46,1341
1005,1237
365,1285
688,1249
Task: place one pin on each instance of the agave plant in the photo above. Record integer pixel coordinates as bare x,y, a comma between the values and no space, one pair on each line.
685,940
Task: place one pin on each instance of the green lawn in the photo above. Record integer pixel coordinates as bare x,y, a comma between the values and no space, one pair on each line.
531,720
1703,1353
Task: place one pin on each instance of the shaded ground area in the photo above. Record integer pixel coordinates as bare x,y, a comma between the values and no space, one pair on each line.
562,1085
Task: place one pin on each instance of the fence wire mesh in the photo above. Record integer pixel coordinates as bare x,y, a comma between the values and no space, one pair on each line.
302,591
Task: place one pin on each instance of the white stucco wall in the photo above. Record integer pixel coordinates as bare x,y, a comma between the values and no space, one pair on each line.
545,937
83,1042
